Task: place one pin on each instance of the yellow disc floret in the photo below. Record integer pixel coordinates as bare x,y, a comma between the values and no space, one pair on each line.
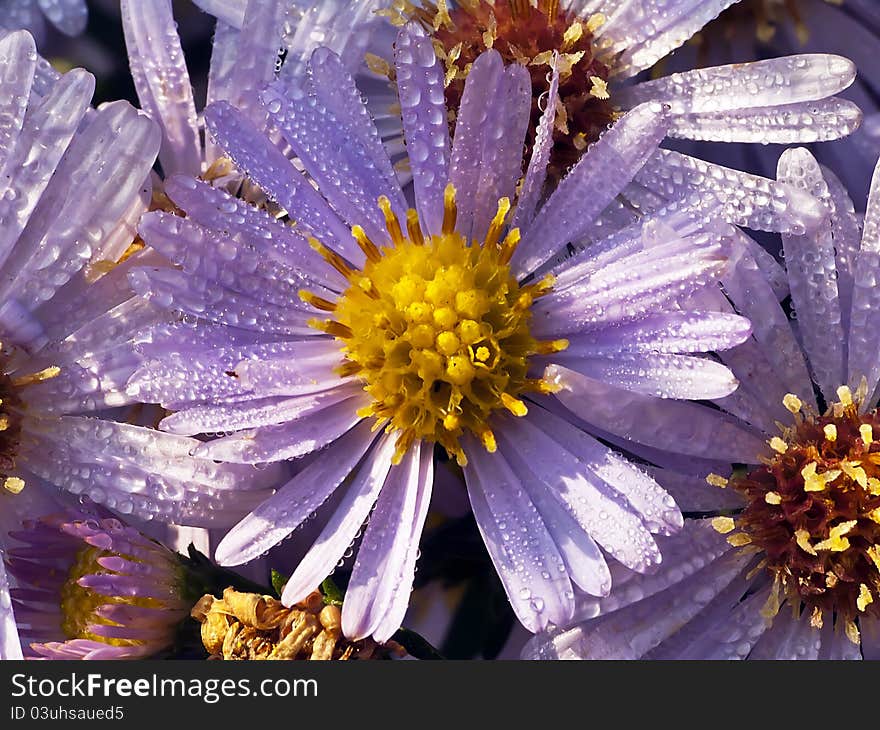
438,330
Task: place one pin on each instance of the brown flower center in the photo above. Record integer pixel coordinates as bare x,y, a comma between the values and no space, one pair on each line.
813,509
10,431
529,35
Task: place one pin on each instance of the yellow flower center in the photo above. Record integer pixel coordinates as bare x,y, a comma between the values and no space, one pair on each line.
813,511
438,329
79,605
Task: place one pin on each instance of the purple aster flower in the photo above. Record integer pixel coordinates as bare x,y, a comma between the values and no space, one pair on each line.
425,332
68,16
91,587
73,183
790,566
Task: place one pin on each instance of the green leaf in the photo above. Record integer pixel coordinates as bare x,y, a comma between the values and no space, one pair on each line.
332,595
278,582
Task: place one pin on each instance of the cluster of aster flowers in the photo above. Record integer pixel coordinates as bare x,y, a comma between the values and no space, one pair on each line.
528,270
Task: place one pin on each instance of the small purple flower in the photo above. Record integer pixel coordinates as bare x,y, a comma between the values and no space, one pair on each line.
789,568
91,587
73,183
445,329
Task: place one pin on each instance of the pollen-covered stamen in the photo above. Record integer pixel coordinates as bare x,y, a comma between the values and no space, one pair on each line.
813,508
438,330
11,410
530,34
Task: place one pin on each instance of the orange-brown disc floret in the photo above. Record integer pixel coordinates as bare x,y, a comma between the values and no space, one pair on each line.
528,34
813,510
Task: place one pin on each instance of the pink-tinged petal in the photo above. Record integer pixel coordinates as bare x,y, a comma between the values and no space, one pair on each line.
423,108
523,551
162,82
676,426
285,510
603,172
159,633
345,522
392,535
